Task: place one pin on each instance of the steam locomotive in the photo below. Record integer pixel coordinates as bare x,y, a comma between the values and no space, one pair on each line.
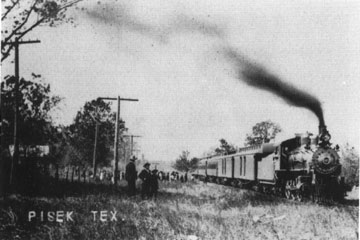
297,168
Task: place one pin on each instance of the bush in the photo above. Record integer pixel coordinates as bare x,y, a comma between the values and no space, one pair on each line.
350,165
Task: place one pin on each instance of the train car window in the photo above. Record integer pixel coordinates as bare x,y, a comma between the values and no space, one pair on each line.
240,166
222,166
244,165
212,165
224,160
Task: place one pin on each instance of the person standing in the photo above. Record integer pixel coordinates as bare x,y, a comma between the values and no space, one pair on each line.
154,184
145,176
130,176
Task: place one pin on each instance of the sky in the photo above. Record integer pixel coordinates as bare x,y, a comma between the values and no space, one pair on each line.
193,65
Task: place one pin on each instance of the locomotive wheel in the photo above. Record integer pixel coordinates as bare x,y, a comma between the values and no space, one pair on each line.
316,196
260,188
233,183
300,195
280,191
273,191
288,194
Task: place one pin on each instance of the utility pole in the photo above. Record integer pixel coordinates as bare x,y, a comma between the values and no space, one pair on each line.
116,142
131,144
95,147
97,122
15,158
124,150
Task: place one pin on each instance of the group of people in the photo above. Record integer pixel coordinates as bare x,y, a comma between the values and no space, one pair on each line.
149,179
149,186
173,176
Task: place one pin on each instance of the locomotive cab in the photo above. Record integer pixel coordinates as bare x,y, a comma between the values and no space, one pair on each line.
286,148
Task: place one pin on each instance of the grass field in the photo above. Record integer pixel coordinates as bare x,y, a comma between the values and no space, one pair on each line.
181,211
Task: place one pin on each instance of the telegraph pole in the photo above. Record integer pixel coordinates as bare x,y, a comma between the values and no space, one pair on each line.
96,140
15,158
116,142
95,147
131,143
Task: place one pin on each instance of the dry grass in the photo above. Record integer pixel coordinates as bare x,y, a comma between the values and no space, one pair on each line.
182,211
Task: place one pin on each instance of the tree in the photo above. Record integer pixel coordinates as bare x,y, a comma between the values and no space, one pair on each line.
19,17
183,164
225,148
262,132
350,165
82,133
35,104
34,120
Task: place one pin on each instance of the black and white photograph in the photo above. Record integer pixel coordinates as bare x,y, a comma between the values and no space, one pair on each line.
179,119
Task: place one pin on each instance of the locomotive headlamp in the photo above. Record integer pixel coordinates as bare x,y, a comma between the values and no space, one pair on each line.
326,160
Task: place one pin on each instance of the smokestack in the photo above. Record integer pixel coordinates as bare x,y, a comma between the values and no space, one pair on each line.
322,129
324,136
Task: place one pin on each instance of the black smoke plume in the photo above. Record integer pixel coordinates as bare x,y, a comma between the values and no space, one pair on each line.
251,73
256,76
